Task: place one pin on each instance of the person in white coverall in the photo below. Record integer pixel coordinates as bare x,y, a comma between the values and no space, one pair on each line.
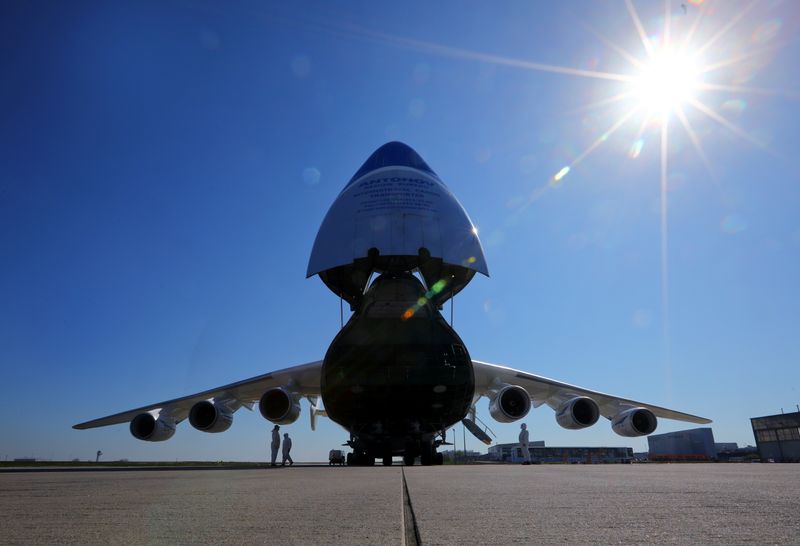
276,443
523,443
287,447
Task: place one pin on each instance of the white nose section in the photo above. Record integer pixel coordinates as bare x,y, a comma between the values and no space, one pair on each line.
396,204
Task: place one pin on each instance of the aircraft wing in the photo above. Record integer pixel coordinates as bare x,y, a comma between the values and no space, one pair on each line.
542,390
302,380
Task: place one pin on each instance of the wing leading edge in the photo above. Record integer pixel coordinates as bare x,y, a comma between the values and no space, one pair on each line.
543,390
303,379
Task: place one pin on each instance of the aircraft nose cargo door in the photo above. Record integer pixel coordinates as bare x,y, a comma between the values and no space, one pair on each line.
396,215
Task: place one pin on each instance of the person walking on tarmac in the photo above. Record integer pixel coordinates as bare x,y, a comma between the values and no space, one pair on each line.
276,443
523,444
287,447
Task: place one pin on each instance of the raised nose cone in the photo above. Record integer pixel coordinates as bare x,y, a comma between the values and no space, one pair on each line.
396,215
392,154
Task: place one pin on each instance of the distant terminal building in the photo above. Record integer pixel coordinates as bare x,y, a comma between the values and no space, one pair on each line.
778,437
695,444
452,455
512,453
726,446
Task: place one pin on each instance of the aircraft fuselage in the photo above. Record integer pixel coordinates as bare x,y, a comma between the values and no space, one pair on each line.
397,374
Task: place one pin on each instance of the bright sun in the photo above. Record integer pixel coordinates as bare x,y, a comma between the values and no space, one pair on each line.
667,80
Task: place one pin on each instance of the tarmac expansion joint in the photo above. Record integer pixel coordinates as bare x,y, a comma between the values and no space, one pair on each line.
409,520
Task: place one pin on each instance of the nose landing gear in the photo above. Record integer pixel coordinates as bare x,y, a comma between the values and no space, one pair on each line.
426,452
365,454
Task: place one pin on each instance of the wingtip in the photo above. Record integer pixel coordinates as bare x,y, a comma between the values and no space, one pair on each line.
82,426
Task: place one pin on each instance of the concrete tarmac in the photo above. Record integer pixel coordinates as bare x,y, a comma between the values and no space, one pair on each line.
480,504
608,504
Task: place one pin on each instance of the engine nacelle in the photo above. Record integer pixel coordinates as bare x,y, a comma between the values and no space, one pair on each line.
634,422
578,412
146,427
279,406
510,404
210,416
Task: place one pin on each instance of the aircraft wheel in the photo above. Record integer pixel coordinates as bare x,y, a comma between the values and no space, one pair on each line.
387,460
438,458
350,459
408,459
427,456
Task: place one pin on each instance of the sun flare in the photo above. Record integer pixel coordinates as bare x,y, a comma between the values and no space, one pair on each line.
668,80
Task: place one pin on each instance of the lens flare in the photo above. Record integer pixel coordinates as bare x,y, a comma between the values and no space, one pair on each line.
636,148
439,285
680,67
669,79
437,288
734,106
560,174
767,31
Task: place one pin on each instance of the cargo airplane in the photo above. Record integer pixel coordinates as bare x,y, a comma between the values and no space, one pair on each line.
396,244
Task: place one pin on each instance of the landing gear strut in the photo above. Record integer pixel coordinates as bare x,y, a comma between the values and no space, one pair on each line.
427,454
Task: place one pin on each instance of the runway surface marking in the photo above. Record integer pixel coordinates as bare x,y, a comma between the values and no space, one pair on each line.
410,529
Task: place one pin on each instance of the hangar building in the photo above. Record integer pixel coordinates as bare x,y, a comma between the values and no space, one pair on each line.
695,444
778,437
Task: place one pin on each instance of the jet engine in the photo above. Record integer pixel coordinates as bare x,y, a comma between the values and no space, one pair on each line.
510,404
211,416
578,412
634,422
279,406
146,427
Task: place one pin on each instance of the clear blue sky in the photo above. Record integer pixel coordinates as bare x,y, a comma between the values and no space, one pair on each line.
164,168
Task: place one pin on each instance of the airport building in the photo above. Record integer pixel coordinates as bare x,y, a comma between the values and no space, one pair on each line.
778,437
457,455
738,455
512,453
695,444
